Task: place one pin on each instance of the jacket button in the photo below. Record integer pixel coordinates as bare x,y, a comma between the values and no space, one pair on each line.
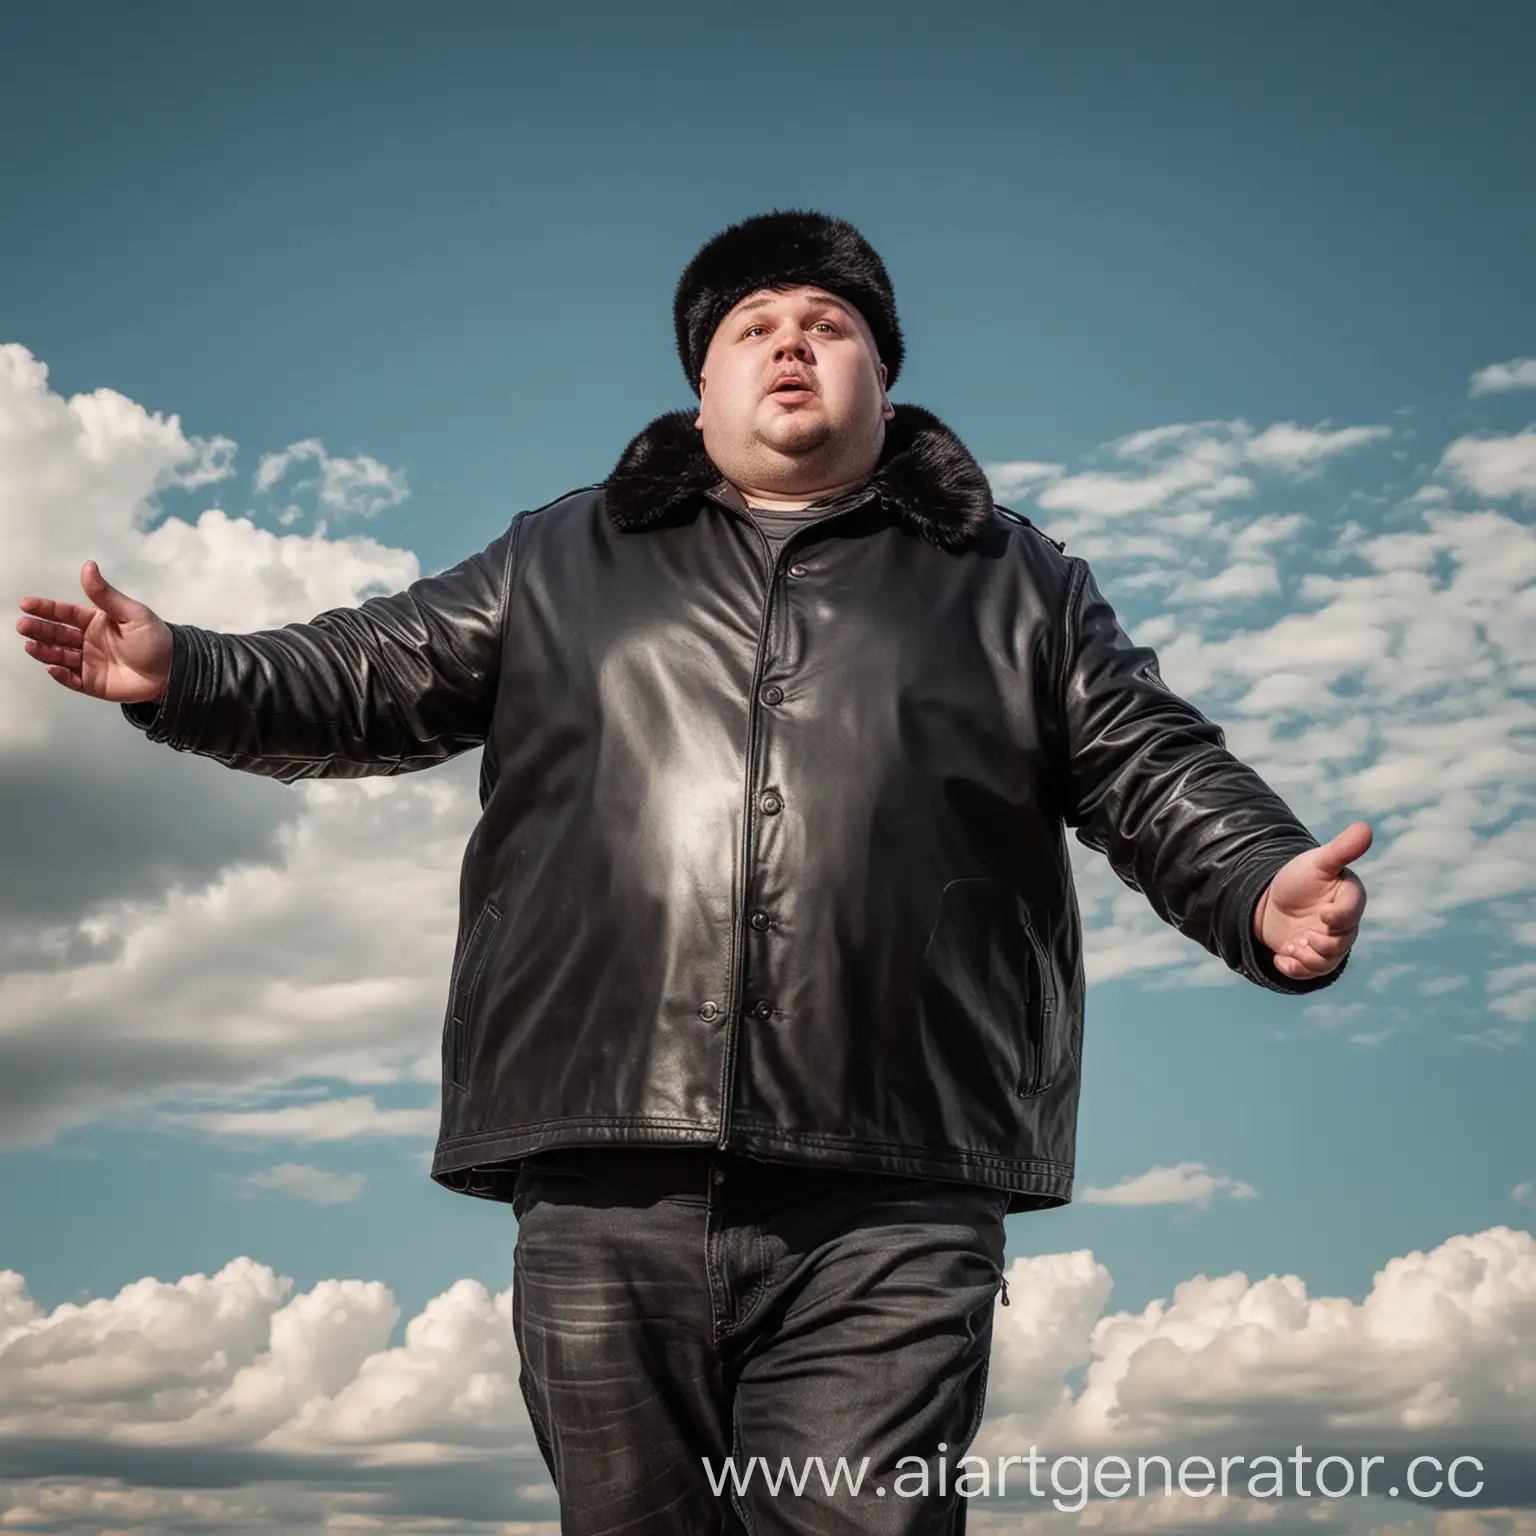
798,570
773,694
760,920
771,804
764,1009
709,1011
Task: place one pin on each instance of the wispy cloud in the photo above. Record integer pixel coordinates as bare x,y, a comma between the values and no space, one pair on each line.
1018,477
327,1120
1181,1184
304,1182
351,487
1195,466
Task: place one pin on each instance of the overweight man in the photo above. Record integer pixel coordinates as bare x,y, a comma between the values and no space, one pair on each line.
766,1004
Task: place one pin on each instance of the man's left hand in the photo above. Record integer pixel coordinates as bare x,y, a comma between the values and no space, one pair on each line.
1310,913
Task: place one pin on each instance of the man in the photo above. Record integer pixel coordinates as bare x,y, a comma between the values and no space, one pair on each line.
767,1000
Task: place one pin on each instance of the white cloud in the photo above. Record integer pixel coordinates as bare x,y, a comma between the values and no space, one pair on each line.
309,1387
1397,689
1181,1184
1497,378
1296,449
1512,992
1441,1348
229,1360
1018,477
304,1182
1493,466
1196,467
1524,1194
1438,986
133,931
355,487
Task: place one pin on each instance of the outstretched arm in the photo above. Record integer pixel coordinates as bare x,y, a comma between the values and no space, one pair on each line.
1149,783
394,684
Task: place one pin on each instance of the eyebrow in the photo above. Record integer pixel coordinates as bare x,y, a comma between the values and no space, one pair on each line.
819,303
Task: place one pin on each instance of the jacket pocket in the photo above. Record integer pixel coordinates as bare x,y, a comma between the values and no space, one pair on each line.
463,989
1039,1075
987,986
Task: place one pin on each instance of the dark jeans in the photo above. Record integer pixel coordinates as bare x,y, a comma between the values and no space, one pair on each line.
672,1306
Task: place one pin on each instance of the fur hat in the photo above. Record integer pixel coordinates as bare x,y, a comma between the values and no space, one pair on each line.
783,249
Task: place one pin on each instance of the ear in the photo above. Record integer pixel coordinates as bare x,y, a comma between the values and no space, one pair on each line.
887,410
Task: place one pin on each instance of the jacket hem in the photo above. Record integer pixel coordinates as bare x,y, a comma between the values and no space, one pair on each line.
487,1165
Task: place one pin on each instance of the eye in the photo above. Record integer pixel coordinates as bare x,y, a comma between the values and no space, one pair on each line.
828,324
758,327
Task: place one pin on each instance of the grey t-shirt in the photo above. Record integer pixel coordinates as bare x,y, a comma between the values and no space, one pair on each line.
777,526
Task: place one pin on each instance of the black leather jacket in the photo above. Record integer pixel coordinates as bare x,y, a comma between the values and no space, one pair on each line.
769,859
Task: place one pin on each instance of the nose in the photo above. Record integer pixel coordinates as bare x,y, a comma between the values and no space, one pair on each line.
791,345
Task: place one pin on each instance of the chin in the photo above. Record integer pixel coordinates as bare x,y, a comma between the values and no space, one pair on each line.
799,435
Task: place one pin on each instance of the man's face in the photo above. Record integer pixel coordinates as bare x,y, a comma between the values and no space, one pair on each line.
816,430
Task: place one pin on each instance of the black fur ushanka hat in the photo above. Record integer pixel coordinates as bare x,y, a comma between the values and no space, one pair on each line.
783,249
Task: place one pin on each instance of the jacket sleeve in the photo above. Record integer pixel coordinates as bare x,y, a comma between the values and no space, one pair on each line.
395,684
1149,783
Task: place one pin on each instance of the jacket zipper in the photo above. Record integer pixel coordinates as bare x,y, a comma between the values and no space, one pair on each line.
733,1013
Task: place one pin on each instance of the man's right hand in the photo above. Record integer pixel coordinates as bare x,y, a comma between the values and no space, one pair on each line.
119,650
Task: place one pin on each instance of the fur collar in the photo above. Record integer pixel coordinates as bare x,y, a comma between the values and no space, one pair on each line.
925,475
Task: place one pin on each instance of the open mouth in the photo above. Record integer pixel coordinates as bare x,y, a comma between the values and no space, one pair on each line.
790,390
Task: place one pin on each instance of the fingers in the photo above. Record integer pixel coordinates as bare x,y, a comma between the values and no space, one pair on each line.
71,680
1327,947
58,646
1347,903
1297,971
68,657
76,615
1313,954
1303,970
51,631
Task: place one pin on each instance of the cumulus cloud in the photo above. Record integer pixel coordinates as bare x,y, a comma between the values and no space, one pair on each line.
172,1386
302,1388
1182,1184
1499,378
1493,466
351,487
160,886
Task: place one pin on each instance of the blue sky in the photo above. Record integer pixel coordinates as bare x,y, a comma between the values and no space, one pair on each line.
1234,300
